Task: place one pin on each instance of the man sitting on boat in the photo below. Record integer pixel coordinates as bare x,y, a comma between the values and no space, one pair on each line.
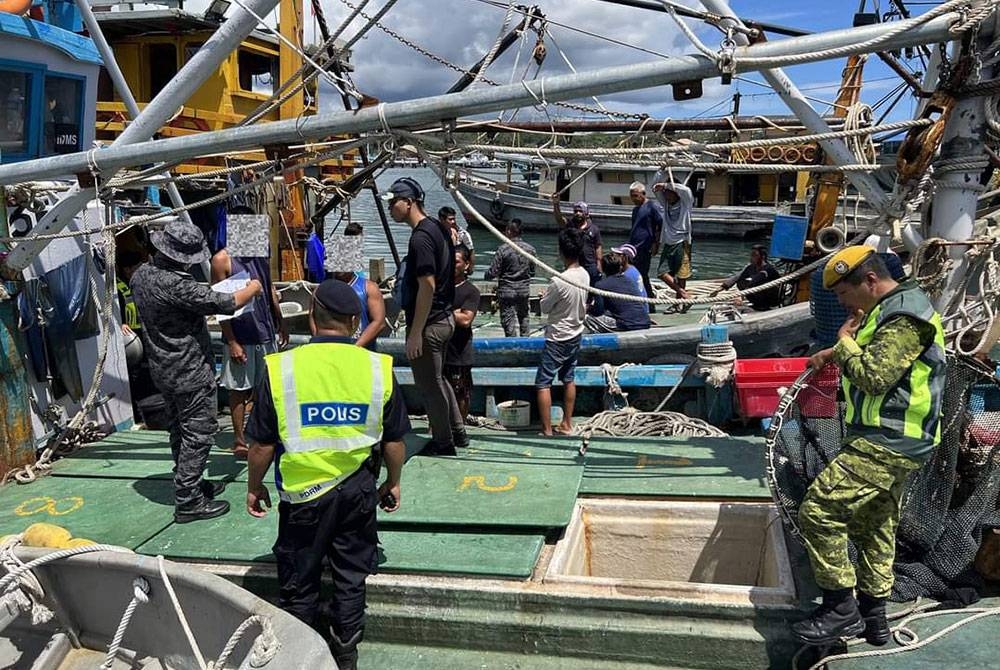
566,307
628,254
756,273
645,232
892,357
608,315
513,273
592,248
676,201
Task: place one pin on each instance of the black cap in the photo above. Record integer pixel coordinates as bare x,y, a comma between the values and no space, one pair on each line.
405,187
338,298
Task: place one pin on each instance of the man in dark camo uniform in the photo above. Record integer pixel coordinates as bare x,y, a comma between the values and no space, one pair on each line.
172,307
892,356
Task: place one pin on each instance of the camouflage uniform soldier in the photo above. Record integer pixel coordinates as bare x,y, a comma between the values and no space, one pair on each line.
172,308
891,352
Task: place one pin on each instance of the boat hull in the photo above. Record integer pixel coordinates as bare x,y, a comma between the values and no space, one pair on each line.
536,215
777,333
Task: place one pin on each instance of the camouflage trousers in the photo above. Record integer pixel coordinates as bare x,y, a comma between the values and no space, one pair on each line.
856,497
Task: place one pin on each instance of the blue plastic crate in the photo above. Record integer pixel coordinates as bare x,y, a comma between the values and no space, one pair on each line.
788,236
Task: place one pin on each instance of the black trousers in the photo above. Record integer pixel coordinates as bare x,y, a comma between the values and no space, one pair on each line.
339,525
641,262
193,424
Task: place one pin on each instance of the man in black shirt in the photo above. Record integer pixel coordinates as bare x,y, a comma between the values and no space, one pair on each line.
428,291
593,252
614,314
458,362
758,271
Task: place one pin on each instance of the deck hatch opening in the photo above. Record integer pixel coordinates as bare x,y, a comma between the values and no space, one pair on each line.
722,551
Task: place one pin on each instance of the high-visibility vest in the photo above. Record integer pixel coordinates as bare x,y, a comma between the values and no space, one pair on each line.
910,411
131,316
328,398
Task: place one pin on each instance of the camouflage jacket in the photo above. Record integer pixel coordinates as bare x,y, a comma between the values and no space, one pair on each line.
892,350
172,308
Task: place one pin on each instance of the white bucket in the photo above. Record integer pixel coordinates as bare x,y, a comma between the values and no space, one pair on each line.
514,413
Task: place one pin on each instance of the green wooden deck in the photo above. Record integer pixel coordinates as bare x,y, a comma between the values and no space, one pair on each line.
486,512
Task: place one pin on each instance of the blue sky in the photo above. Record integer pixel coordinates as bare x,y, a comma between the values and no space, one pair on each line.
462,31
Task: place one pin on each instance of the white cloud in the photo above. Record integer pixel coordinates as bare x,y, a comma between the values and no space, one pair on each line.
462,31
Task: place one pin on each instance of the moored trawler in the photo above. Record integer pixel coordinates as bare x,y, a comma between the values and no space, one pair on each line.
673,547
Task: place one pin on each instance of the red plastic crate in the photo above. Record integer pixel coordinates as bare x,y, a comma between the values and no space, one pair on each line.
758,381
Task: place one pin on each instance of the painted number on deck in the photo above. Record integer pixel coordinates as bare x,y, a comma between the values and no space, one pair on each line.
51,506
643,460
480,483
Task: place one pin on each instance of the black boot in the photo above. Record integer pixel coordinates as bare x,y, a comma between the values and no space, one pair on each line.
210,488
432,448
345,653
873,613
838,617
461,439
202,509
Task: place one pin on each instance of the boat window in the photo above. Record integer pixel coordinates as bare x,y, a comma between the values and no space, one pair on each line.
257,72
612,177
14,87
162,66
62,114
190,49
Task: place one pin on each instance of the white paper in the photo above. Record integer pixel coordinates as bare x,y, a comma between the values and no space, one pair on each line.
232,285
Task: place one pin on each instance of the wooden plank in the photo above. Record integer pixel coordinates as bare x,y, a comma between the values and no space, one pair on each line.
484,494
144,454
239,537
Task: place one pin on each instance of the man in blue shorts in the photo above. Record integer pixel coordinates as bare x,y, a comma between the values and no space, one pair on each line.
566,307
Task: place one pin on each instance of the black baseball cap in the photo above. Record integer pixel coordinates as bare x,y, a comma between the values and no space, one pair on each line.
338,298
405,187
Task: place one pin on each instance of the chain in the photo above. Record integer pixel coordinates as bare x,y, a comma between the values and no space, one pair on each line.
459,69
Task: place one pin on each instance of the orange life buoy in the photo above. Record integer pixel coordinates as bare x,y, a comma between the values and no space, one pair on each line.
757,154
791,155
15,6
809,153
774,153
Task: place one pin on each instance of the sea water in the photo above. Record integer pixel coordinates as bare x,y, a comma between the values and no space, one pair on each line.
711,259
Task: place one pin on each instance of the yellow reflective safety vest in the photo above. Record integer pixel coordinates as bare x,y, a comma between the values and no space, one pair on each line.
328,398
131,316
907,417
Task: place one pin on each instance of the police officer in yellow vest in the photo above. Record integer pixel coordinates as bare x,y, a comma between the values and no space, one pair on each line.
891,352
321,414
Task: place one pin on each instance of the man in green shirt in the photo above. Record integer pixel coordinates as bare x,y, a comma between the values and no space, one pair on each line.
891,354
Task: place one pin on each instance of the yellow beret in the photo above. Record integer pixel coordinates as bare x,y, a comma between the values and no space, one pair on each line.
842,262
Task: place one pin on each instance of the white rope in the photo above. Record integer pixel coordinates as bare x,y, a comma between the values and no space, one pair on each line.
913,643
180,614
264,648
982,10
633,423
492,53
140,596
717,146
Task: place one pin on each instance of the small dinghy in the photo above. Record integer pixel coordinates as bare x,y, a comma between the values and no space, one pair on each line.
113,609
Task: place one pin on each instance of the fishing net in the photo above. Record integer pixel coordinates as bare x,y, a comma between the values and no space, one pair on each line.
948,503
